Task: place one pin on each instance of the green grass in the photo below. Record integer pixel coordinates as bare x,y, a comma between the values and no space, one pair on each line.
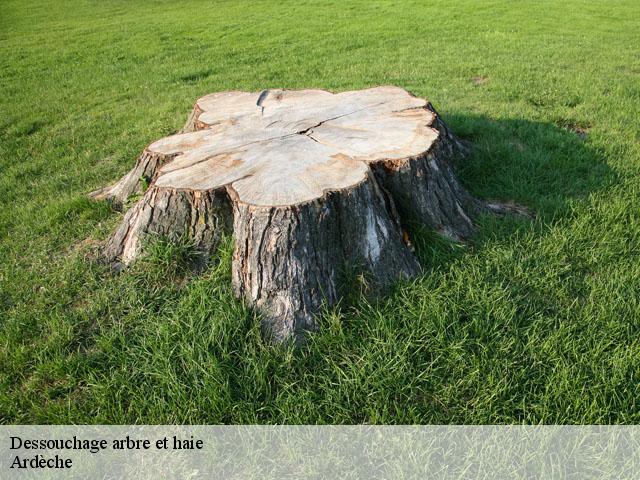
534,322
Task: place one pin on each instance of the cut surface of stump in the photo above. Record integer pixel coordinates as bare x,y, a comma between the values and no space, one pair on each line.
311,183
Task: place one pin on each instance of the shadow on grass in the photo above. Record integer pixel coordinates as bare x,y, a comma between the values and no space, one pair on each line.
541,165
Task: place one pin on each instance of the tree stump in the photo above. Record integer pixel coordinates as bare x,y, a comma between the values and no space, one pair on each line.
310,182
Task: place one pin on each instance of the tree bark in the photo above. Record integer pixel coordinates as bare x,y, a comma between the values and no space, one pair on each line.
288,260
199,218
133,182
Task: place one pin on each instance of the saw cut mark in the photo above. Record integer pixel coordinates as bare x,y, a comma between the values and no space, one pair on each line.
261,98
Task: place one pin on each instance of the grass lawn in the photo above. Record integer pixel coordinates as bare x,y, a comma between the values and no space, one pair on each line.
533,322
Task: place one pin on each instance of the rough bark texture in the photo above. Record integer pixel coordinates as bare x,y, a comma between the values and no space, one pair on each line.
145,170
192,124
317,184
427,191
288,260
199,218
